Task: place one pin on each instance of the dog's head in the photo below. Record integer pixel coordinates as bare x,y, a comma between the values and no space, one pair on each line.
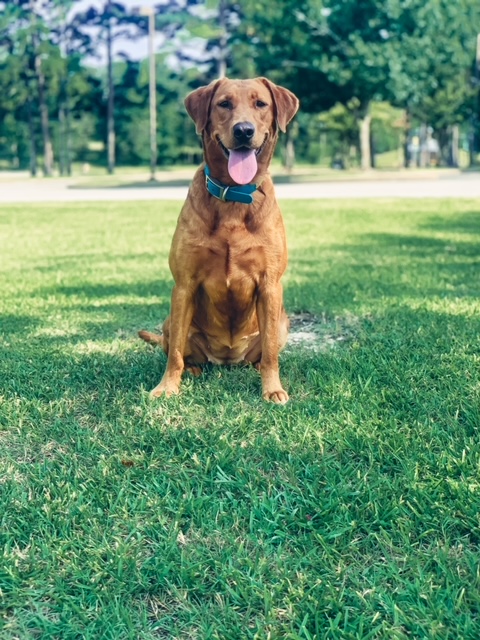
239,122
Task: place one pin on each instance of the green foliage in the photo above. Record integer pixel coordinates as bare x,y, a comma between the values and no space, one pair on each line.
340,57
34,40
387,125
341,124
414,54
336,133
351,513
432,61
174,131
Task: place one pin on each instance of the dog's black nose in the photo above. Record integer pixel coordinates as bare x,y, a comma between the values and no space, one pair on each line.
243,131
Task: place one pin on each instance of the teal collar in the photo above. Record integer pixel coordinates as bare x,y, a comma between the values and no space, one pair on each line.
240,193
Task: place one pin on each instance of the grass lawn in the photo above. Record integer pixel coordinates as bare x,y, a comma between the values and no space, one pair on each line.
353,512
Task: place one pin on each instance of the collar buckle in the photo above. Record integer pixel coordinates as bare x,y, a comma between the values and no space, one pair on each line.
220,190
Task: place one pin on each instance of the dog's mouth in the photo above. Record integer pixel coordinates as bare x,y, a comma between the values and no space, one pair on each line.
244,148
242,161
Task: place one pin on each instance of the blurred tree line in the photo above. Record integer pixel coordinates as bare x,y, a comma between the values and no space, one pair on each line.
373,76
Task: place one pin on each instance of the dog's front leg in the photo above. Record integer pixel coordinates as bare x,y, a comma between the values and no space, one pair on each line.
269,308
181,315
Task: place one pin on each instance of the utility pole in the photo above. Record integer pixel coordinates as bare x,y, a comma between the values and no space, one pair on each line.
150,12
111,93
42,92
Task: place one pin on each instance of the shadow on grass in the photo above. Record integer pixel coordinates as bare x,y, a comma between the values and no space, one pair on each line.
77,260
467,223
17,325
101,291
383,268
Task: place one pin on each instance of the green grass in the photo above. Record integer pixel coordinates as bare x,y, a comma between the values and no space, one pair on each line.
351,513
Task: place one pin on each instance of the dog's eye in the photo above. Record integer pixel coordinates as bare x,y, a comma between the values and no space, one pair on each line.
225,104
260,104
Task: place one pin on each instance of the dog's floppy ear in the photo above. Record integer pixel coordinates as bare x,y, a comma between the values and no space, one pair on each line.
198,102
286,103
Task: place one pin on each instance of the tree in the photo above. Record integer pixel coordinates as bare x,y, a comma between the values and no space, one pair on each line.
41,77
110,23
25,35
73,44
415,53
331,53
430,73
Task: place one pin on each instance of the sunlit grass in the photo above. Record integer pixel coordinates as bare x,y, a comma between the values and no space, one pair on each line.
352,512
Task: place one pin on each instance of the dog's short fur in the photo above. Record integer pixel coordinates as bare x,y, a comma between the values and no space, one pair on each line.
227,258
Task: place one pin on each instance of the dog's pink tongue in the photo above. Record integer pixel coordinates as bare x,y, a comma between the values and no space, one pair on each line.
242,165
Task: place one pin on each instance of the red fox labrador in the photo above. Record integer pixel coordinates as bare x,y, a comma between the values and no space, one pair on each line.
229,249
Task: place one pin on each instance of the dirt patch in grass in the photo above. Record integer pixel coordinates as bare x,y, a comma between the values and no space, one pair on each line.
319,333
316,332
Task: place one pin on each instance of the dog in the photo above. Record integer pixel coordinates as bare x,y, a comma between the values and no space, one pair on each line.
229,249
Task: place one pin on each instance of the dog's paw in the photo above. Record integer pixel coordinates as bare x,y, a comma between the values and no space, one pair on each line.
193,370
165,389
280,396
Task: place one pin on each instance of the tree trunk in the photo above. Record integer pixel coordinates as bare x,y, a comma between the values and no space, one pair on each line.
443,136
406,141
372,150
62,142
33,147
64,122
111,103
448,139
291,136
365,148
47,142
152,91
424,155
42,101
15,157
471,142
64,114
289,154
68,141
222,57
63,145
454,146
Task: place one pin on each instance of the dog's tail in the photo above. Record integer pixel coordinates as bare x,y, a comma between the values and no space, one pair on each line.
151,338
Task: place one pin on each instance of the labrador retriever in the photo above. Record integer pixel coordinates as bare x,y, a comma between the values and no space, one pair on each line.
229,250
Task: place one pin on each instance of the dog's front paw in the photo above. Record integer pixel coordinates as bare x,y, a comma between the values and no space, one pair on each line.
165,388
279,396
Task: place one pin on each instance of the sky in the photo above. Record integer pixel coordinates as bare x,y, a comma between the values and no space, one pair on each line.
136,50
130,4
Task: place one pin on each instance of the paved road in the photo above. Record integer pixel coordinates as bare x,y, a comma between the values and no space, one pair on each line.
63,190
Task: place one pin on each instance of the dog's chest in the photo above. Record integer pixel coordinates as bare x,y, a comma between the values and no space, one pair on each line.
231,265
